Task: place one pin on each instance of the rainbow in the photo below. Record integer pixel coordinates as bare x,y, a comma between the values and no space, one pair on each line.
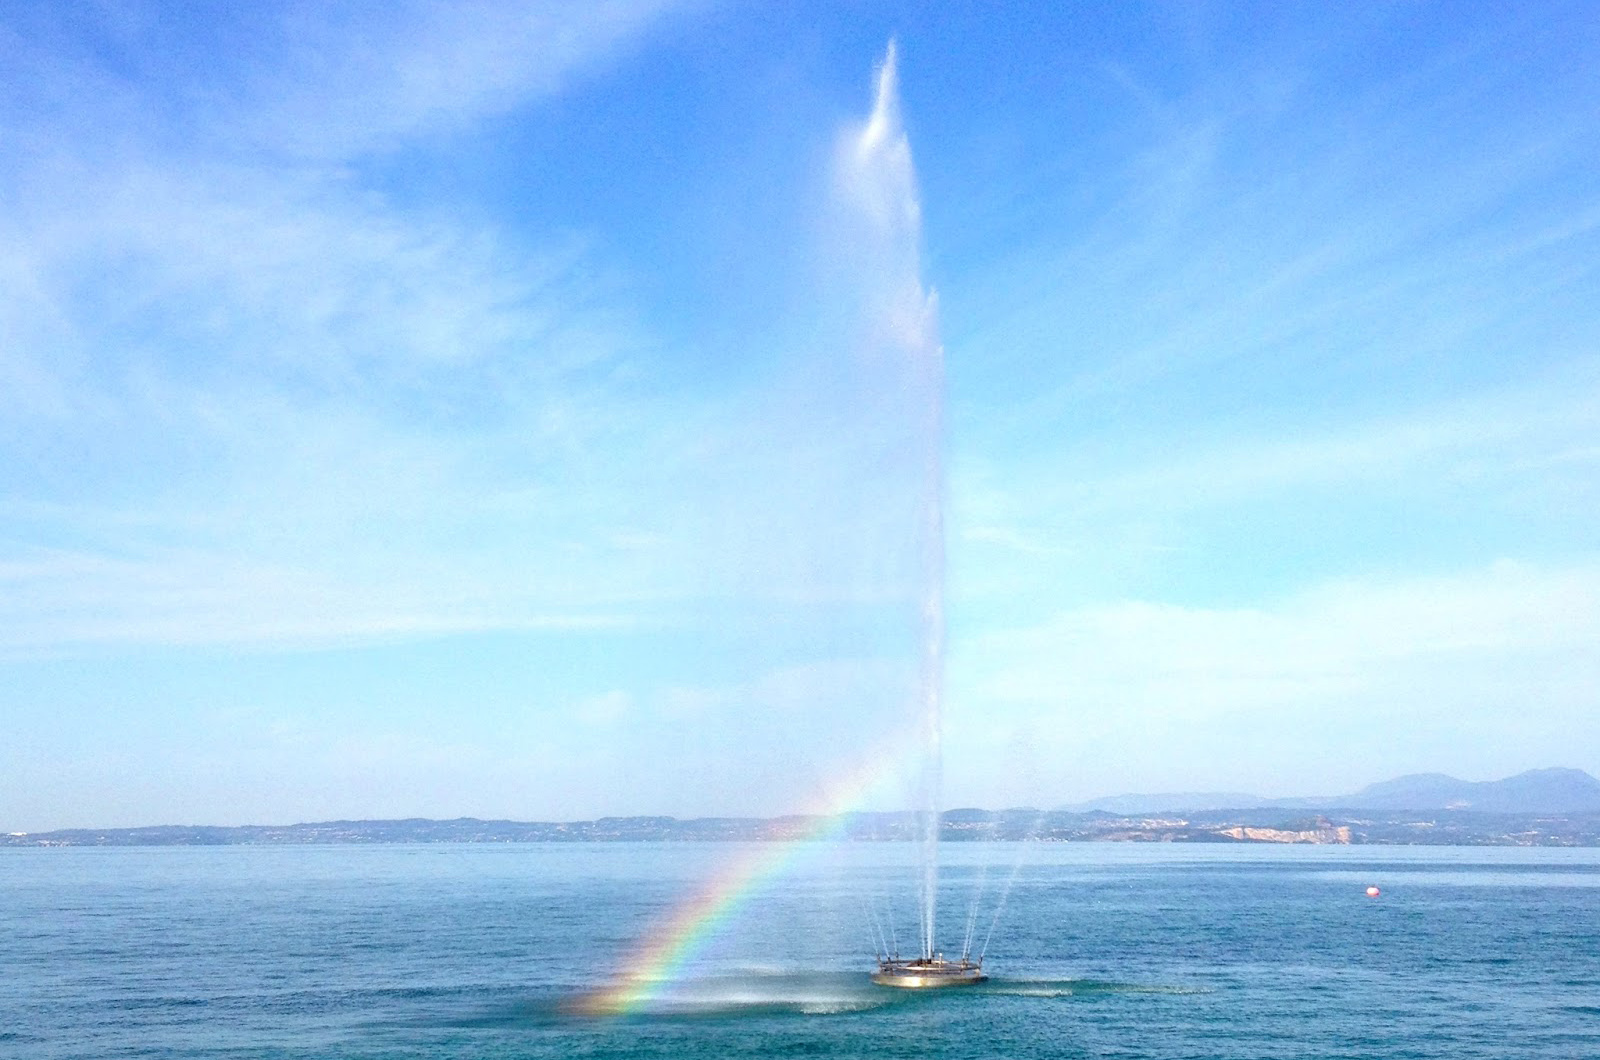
660,958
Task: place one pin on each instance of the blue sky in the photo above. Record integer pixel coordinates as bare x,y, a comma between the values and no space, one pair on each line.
441,409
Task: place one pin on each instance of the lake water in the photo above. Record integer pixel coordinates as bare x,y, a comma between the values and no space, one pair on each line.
1102,950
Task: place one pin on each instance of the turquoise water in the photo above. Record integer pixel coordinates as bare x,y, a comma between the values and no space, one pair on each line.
1103,950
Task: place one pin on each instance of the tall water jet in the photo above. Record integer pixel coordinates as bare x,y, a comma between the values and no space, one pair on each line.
856,435
878,181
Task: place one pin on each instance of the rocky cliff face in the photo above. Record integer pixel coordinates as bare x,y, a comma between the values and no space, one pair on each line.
1329,834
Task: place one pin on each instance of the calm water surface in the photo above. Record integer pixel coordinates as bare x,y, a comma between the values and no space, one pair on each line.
1101,950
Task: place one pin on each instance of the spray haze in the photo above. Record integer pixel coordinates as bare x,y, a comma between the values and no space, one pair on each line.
847,471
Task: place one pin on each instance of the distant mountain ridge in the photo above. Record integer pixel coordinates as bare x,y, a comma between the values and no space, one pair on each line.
1261,825
1542,807
1555,790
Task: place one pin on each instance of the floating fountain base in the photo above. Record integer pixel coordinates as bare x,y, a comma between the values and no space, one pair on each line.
922,973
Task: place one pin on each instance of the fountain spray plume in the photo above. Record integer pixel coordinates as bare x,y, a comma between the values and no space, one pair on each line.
878,184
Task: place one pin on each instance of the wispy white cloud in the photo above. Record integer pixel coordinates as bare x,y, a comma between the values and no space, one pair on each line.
347,82
1267,234
1449,439
255,401
1519,458
57,601
306,83
1477,667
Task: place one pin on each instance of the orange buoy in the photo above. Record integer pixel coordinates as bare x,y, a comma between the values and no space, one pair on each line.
1373,892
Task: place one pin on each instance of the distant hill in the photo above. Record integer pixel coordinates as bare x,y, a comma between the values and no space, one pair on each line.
1536,791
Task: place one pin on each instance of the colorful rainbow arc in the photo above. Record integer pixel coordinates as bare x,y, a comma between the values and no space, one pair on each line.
660,958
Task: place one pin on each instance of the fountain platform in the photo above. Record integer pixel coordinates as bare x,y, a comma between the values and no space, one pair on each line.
922,973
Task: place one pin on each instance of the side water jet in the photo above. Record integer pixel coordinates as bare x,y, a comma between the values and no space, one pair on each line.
880,181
